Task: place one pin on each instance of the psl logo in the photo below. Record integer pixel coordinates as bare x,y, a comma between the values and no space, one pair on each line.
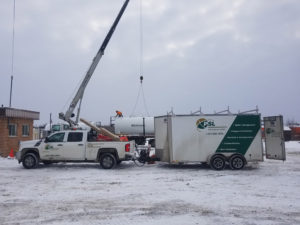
48,147
203,123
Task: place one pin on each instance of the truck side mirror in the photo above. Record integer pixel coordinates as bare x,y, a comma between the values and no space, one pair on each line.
46,140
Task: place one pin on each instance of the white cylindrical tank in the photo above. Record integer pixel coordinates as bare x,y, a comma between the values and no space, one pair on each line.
134,126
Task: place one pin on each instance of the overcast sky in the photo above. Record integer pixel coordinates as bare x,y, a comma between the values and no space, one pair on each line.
210,54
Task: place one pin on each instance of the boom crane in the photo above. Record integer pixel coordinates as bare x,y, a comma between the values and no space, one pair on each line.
79,95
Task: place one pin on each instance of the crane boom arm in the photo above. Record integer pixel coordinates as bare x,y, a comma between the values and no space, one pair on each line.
69,113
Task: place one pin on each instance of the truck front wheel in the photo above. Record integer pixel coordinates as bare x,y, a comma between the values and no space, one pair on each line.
107,161
30,161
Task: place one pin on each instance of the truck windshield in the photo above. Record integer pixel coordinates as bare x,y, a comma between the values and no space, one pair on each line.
55,128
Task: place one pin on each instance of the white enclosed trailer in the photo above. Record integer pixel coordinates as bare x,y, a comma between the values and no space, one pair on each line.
216,139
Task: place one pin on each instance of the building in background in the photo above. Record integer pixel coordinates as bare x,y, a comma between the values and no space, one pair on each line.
295,133
15,125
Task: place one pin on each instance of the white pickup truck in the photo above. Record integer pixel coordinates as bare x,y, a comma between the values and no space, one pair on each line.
74,146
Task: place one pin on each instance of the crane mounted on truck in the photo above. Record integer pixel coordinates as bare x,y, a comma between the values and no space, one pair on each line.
79,95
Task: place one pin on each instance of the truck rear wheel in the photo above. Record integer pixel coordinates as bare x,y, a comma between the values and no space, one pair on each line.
217,162
237,162
30,161
107,161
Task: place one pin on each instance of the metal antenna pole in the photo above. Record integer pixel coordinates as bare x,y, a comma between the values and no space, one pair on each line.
11,85
12,55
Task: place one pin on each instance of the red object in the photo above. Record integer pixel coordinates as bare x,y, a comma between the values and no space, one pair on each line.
295,130
127,148
11,154
152,162
103,138
123,138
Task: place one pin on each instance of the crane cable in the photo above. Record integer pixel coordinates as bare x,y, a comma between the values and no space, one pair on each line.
141,41
136,101
141,91
141,66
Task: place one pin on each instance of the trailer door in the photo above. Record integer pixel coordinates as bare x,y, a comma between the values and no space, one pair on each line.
275,147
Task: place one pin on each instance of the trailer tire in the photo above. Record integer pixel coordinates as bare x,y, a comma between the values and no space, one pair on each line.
107,161
237,162
30,161
217,162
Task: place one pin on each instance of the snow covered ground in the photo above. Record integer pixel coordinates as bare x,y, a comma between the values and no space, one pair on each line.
267,193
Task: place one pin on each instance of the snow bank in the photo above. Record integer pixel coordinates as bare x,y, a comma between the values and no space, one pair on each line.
292,145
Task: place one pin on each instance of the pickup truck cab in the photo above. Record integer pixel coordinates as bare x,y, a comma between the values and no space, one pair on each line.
74,146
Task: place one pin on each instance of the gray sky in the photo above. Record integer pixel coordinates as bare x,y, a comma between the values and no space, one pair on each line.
213,54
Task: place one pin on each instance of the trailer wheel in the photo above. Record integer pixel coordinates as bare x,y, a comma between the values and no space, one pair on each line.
217,162
30,161
237,162
107,161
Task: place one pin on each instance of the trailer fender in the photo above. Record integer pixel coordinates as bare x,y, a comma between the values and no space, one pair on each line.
211,155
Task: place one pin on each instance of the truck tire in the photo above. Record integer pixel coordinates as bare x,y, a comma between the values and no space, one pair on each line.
30,161
107,161
218,162
237,162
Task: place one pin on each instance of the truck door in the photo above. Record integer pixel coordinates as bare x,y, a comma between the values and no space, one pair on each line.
74,148
52,148
275,147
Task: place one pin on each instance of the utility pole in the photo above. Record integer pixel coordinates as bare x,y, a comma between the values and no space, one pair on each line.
50,122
